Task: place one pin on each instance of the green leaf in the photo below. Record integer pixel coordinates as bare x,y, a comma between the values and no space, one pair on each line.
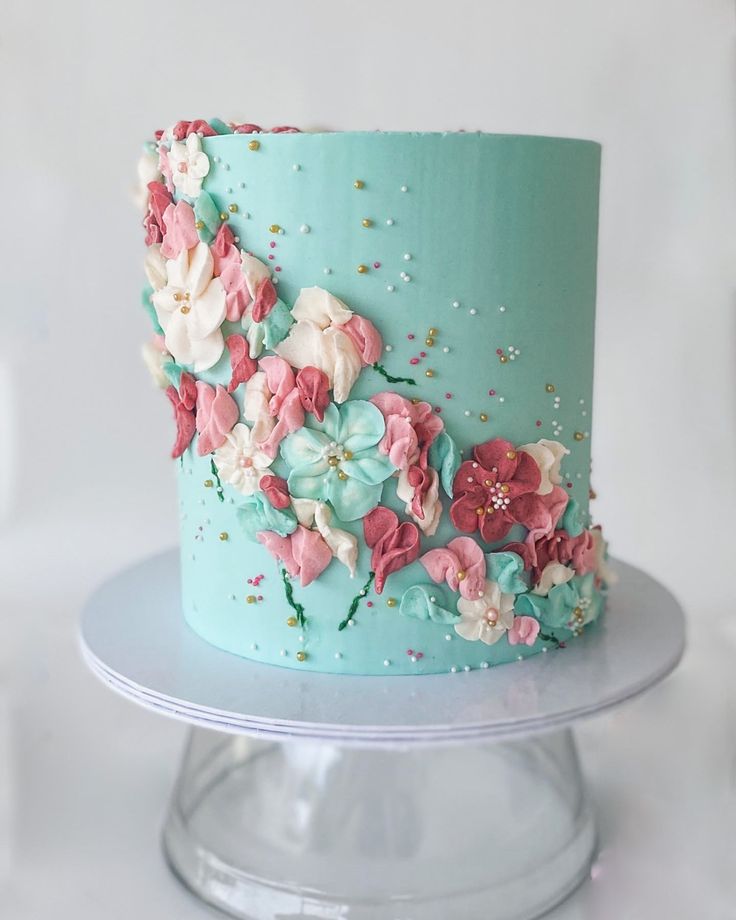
207,213
426,602
257,514
276,325
150,309
507,569
445,458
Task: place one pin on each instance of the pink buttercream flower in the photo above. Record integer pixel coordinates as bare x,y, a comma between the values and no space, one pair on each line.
558,546
224,251
183,129
159,198
164,166
217,413
264,300
394,545
284,403
180,231
313,386
242,365
365,337
524,630
461,564
304,552
185,423
496,490
276,491
243,279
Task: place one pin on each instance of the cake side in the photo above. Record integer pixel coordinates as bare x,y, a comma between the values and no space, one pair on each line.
379,351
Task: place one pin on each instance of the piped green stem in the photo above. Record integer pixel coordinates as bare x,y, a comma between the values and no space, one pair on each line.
382,370
352,609
216,474
294,604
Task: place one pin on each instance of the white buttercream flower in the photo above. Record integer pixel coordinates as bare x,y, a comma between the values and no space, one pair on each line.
553,574
191,309
548,457
189,165
343,545
256,401
316,340
148,171
488,617
431,504
154,357
154,266
239,461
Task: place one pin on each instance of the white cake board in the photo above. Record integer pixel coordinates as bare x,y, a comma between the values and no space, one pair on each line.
396,798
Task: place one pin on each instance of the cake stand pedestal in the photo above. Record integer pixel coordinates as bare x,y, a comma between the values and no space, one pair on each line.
377,798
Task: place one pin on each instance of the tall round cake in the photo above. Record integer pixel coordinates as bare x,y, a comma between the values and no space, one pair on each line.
379,352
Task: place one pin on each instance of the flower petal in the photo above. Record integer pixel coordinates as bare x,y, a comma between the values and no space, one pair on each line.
319,306
361,425
208,310
350,498
369,467
305,447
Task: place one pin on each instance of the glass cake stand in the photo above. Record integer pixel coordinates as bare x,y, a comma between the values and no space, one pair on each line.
376,798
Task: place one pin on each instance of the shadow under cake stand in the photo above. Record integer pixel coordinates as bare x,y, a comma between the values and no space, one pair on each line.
377,798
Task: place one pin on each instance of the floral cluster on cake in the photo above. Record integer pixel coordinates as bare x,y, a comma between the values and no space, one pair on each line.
307,461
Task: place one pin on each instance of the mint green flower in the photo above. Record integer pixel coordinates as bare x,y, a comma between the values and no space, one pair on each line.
338,461
570,605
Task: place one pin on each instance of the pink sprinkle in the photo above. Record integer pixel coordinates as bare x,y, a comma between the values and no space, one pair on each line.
569,485
422,354
438,409
369,604
411,336
376,264
410,651
278,268
272,244
448,395
538,423
414,361
499,351
271,255
260,597
420,655
250,581
491,392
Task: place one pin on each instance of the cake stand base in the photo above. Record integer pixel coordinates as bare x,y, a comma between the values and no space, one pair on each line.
483,831
440,797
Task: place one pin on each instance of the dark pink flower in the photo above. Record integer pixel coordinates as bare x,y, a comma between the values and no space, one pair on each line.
557,546
180,231
496,490
304,552
217,413
185,424
224,251
159,198
264,301
410,429
394,545
182,129
242,365
276,491
365,337
461,564
313,386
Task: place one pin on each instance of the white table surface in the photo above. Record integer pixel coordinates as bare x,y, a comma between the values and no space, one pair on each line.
85,775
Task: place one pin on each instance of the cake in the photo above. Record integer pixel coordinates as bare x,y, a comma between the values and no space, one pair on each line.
378,348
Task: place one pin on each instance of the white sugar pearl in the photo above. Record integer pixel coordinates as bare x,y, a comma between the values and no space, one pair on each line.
456,304
407,277
390,222
473,311
389,348
448,637
338,655
446,350
386,662
466,668
404,188
254,647
467,413
502,399
327,271
229,190
301,638
283,653
296,167
501,309
484,664
305,228
351,622
215,159
390,288
407,257
414,659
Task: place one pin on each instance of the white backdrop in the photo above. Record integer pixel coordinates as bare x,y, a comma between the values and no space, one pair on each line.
85,483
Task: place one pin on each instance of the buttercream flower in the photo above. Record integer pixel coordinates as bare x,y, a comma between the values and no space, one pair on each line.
553,574
317,339
154,357
496,490
303,552
179,230
183,129
571,605
191,308
241,364
393,545
420,489
343,545
154,266
461,564
548,457
284,404
276,490
366,338
486,618
183,405
524,631
604,574
240,462
159,198
189,165
256,400
148,173
217,413
559,547
338,461
247,281
313,387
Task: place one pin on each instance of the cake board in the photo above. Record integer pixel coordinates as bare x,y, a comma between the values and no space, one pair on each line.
377,798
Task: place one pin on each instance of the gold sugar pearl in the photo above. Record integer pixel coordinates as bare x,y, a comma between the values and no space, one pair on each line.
223,215
503,359
579,436
429,341
362,269
483,417
505,488
511,454
347,454
224,536
488,483
550,388
199,224
341,475
390,601
461,575
292,621
208,483
367,222
301,656
432,331
429,373
332,461
232,208
185,309
358,183
480,511
274,228
415,401
251,599
254,145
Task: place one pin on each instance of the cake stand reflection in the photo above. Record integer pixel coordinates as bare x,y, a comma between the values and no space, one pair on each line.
397,798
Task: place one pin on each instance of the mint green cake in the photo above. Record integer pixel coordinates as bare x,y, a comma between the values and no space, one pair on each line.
379,352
